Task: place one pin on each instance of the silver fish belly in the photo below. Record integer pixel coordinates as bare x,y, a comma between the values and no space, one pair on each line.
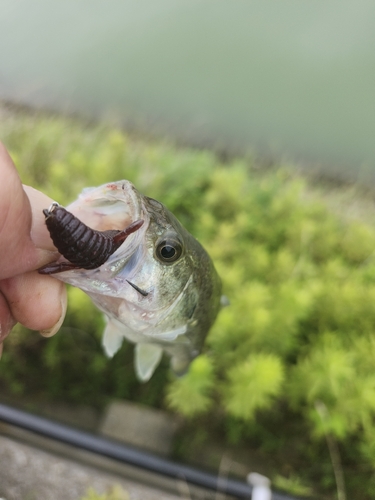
159,289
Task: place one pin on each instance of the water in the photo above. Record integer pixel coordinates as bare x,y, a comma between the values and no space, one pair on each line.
292,78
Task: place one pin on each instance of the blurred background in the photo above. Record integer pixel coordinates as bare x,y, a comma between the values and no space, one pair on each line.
293,79
254,123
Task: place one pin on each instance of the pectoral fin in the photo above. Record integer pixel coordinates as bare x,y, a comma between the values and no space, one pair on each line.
147,358
224,301
112,339
171,335
180,365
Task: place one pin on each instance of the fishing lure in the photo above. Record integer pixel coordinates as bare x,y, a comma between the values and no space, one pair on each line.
82,246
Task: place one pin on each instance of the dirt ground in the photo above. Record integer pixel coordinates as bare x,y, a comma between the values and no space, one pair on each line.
27,473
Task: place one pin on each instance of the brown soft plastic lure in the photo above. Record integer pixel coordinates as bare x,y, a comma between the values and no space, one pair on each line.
81,245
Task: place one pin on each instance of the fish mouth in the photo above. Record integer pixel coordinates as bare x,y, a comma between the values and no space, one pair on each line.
111,206
114,206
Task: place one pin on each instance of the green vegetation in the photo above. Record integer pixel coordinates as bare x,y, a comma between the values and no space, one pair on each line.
288,368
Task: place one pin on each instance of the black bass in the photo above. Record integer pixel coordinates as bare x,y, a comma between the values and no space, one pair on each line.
154,282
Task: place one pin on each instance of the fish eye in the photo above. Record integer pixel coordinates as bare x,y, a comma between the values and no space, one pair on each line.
168,250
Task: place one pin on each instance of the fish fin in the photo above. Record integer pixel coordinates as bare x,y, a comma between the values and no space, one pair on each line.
224,301
171,335
112,339
147,358
180,365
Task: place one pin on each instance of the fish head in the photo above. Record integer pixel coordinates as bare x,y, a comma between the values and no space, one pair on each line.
159,289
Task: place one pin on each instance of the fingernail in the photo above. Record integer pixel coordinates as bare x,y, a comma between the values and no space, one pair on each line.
38,201
50,332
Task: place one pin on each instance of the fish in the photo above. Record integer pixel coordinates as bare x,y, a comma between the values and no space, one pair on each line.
157,286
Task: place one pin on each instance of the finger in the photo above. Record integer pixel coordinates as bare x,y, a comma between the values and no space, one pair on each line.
7,321
15,217
37,302
49,332
39,232
18,253
20,215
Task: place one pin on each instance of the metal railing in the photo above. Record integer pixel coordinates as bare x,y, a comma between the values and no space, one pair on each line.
129,455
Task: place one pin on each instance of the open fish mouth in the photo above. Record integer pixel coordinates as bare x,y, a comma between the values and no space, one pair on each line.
97,229
112,206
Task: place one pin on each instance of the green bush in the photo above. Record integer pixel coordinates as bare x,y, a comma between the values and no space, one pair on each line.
299,331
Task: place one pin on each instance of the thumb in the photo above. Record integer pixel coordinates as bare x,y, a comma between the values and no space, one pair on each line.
18,252
39,233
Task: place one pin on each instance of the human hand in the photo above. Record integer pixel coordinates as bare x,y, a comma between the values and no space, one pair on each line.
37,302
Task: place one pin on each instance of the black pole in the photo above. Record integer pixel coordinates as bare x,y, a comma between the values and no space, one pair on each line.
126,454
